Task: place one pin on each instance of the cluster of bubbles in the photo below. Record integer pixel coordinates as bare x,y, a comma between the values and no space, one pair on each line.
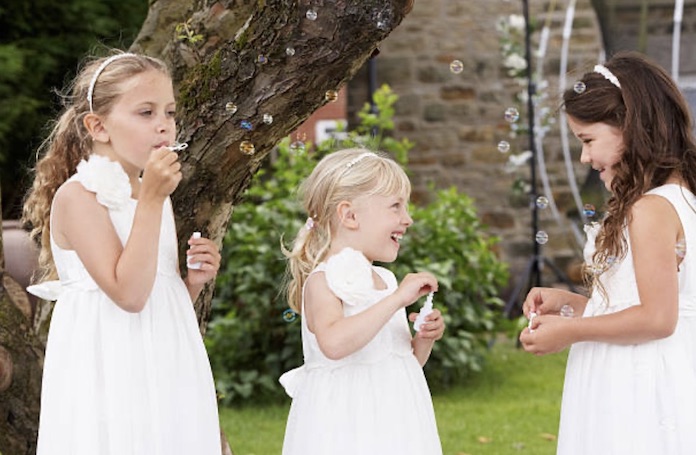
542,202
247,147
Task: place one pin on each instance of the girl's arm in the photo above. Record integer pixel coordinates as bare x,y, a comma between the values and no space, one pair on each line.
340,336
125,273
653,231
431,331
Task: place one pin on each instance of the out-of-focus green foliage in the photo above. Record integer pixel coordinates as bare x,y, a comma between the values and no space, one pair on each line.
41,45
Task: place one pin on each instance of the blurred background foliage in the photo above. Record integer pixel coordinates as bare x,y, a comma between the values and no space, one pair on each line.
41,45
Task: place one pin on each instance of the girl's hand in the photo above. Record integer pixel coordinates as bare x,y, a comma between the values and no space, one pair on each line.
433,328
548,334
205,252
415,286
548,300
162,173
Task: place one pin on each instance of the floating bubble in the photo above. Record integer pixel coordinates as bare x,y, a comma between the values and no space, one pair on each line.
289,315
267,119
589,210
246,124
262,59
611,260
579,87
297,147
542,202
567,311
456,66
247,148
680,248
512,114
542,237
289,51
231,107
503,146
311,15
331,96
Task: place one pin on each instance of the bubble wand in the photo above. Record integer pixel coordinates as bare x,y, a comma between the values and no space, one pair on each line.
425,310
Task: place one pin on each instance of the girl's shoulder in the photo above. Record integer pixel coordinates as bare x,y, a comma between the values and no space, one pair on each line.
349,275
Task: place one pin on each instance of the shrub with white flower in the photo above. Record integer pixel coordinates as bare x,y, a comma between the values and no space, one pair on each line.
512,30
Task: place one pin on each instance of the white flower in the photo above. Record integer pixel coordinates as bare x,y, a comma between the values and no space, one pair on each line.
107,179
519,159
349,276
517,22
515,62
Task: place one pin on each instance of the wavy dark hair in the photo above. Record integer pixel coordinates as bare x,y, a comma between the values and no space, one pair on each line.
658,137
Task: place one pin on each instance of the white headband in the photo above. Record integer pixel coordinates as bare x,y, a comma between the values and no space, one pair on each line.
359,158
93,82
608,75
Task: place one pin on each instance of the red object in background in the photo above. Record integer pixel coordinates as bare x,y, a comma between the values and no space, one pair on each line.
324,121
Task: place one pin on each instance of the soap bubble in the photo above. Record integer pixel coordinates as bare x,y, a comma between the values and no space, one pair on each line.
542,237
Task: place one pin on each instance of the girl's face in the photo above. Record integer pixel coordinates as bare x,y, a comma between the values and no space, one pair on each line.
602,147
383,221
142,119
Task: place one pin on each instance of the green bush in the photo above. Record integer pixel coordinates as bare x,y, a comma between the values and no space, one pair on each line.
448,240
250,340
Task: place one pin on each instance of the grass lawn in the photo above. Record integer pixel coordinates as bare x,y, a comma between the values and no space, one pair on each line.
511,407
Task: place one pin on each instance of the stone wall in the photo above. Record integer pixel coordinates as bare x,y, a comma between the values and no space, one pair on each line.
456,120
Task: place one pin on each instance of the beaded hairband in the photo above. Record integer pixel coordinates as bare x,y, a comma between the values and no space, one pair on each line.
608,75
93,82
359,158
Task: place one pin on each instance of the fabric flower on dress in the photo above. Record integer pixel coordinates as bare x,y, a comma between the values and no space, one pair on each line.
349,276
106,179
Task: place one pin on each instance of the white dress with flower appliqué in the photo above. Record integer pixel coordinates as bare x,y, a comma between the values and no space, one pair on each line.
375,401
119,383
641,398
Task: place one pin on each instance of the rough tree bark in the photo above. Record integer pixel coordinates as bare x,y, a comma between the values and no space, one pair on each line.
220,52
227,67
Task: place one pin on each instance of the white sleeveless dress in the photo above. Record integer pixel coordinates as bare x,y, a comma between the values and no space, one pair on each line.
119,383
636,399
373,402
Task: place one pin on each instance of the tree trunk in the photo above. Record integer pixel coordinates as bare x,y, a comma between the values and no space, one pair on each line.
23,326
243,59
262,56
